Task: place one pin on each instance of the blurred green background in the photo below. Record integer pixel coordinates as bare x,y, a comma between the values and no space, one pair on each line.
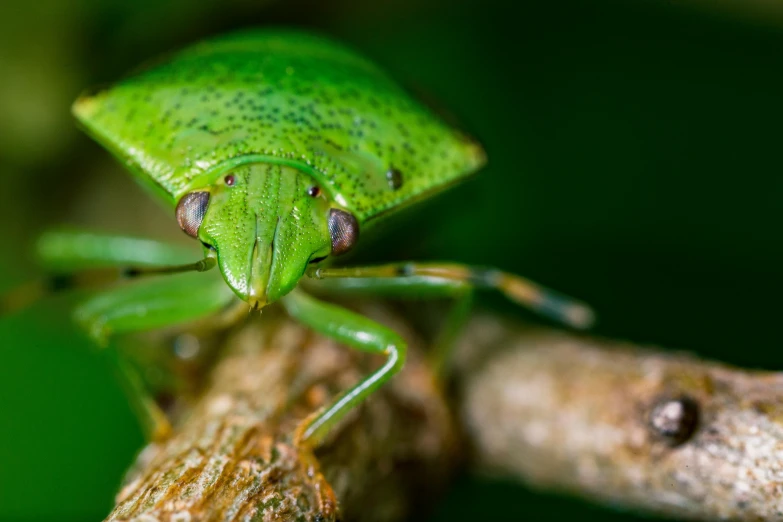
635,157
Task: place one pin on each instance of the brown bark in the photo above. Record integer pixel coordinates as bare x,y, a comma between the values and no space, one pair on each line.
646,429
233,456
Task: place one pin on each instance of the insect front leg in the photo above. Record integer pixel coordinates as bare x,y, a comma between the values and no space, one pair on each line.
358,332
412,287
149,304
522,291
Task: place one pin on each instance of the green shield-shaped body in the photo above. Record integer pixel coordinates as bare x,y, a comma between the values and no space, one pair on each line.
279,97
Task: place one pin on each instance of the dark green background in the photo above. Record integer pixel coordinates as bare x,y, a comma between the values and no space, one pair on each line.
635,157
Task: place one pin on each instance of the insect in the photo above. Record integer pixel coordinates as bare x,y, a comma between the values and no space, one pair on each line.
274,149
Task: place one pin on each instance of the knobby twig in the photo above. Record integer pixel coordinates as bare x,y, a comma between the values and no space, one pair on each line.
641,428
233,456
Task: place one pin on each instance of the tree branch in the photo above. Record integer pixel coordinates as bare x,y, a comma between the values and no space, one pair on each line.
233,456
616,423
646,429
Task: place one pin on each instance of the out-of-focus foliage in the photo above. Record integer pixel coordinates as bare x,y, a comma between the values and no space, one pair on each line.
634,162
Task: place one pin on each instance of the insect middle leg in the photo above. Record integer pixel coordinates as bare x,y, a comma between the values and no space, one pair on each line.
522,291
358,332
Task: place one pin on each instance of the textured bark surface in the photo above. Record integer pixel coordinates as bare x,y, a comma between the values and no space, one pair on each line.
646,429
657,431
233,455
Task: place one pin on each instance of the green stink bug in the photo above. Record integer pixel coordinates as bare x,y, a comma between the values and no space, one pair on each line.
274,149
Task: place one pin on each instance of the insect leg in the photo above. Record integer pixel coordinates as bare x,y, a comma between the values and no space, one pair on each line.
145,305
154,422
358,332
447,337
411,287
153,303
518,289
68,251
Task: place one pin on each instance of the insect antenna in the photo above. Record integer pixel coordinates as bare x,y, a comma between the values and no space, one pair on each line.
202,265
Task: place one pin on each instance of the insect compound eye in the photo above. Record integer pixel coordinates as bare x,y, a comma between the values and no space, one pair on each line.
344,230
190,211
